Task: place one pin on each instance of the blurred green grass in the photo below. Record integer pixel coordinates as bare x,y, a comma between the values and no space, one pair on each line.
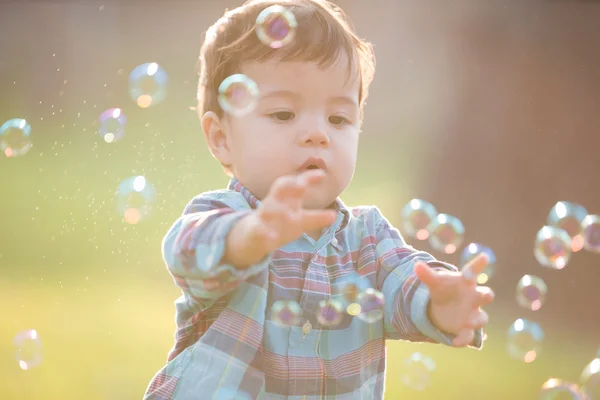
105,338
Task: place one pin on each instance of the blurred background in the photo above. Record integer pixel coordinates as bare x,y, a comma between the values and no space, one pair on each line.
488,110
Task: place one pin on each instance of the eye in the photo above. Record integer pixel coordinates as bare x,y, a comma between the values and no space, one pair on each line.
338,120
282,116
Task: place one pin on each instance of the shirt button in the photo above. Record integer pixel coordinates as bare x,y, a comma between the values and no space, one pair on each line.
334,241
306,328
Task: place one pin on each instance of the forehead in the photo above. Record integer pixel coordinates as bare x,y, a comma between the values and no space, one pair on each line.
306,77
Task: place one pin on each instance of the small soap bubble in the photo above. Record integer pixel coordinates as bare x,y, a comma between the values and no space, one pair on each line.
531,292
371,304
28,349
15,137
135,196
552,247
286,312
524,339
276,26
568,216
590,378
417,216
591,233
148,84
416,371
330,312
230,393
558,389
238,95
471,251
447,233
349,288
112,125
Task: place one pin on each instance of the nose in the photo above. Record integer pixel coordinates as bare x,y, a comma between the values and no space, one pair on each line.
315,136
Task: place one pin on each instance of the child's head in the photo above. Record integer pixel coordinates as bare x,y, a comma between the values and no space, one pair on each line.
312,94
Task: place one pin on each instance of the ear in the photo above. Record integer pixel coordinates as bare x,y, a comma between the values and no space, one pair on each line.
215,132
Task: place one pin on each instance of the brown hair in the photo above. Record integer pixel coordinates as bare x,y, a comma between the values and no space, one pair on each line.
323,33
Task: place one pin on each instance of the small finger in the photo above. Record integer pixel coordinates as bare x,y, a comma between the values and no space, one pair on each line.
315,219
485,295
286,187
477,319
475,267
426,274
310,177
464,338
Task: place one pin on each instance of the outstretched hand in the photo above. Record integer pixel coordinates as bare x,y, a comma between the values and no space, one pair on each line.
456,300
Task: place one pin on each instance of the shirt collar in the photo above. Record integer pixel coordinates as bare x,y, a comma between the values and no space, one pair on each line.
338,204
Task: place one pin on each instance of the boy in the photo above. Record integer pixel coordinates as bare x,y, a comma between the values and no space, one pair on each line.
280,231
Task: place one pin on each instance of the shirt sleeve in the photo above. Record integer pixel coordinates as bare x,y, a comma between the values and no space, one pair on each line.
406,297
194,247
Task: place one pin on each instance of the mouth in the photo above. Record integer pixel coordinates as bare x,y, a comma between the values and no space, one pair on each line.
312,164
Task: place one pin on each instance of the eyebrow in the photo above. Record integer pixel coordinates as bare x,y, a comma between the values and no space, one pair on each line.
290,94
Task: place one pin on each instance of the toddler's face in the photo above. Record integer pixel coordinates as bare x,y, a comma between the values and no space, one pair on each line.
304,112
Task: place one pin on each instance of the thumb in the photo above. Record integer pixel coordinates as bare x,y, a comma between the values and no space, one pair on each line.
425,274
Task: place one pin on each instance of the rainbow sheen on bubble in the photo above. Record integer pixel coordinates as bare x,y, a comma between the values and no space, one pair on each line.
471,251
591,233
371,302
330,312
28,348
524,340
558,389
447,233
552,247
286,312
348,289
15,137
416,371
276,26
135,196
148,84
417,216
590,378
112,125
568,216
531,292
238,95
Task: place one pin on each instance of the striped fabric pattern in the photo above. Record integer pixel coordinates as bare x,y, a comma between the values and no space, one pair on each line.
227,344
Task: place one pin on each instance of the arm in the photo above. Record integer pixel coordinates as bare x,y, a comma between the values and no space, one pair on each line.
198,250
406,298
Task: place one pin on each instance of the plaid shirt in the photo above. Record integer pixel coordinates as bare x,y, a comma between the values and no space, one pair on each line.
226,340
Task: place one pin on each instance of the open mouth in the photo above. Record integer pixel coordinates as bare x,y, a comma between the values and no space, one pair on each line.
313,166
313,163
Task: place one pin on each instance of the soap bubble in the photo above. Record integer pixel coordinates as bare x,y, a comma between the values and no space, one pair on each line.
330,312
286,312
15,137
135,196
531,292
524,340
238,95
568,216
474,249
447,233
28,349
417,216
558,389
112,125
552,247
148,84
591,233
590,378
416,371
276,26
371,304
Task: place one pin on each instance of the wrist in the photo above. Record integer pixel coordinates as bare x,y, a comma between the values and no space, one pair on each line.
241,249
